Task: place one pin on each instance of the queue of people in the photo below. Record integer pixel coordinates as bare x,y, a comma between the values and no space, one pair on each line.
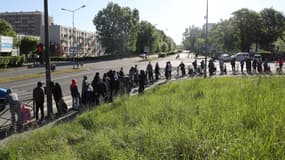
104,88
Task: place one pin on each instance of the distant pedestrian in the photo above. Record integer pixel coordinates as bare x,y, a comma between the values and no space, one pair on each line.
84,90
221,63
241,65
75,95
15,109
211,67
121,72
280,63
90,96
195,66
233,64
182,68
157,71
142,81
58,97
39,99
149,70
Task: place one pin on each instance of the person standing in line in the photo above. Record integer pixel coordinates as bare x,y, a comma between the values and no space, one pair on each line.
280,62
156,71
142,81
84,90
221,63
121,72
182,68
241,65
169,69
149,70
39,99
233,64
14,103
74,94
57,95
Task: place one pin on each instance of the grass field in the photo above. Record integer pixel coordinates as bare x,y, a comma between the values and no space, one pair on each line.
221,118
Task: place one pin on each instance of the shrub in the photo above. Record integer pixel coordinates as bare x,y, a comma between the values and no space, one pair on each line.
11,61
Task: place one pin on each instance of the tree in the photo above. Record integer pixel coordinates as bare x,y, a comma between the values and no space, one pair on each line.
28,45
115,26
191,35
6,29
222,36
247,26
273,25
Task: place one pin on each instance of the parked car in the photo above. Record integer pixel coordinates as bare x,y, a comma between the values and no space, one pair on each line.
3,93
225,57
143,55
241,56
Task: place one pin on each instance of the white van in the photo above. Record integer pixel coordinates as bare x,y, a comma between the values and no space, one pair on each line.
241,56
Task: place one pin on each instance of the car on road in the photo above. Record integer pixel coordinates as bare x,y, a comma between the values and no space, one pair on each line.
225,57
240,56
143,55
3,93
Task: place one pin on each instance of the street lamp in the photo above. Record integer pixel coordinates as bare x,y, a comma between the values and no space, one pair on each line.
206,46
73,37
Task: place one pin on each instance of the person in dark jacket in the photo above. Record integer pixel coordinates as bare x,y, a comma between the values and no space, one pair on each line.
39,99
157,71
84,90
182,68
57,96
142,81
149,70
75,95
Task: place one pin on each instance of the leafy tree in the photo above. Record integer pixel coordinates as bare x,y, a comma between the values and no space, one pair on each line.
28,45
222,36
273,25
247,26
114,25
191,35
145,36
6,29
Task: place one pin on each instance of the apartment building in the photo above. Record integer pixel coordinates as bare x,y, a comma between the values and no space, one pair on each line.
26,23
80,42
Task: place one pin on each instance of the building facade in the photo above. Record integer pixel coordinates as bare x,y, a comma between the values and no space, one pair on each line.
26,23
80,42
61,39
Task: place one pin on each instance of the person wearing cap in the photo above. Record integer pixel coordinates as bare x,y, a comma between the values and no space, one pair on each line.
14,103
74,94
39,99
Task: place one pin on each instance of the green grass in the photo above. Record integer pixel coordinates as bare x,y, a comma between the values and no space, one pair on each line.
222,118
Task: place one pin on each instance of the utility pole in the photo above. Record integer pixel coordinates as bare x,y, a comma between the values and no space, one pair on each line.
47,58
206,46
73,34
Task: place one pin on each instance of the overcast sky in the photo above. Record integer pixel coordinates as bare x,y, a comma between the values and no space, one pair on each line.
172,16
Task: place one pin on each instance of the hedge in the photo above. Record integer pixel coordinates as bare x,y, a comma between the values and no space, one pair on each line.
11,61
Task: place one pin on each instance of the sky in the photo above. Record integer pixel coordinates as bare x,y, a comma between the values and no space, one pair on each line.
171,16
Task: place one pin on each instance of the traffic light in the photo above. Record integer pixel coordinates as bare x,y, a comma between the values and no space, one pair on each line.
40,48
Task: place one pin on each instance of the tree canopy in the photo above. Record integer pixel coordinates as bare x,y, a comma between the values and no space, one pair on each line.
121,32
246,30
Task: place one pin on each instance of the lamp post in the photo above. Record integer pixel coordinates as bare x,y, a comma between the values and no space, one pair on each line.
73,37
47,57
206,46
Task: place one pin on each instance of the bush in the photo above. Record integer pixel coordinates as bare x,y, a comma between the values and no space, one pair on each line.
11,61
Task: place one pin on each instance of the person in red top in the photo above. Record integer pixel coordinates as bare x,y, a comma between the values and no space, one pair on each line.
75,95
280,62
